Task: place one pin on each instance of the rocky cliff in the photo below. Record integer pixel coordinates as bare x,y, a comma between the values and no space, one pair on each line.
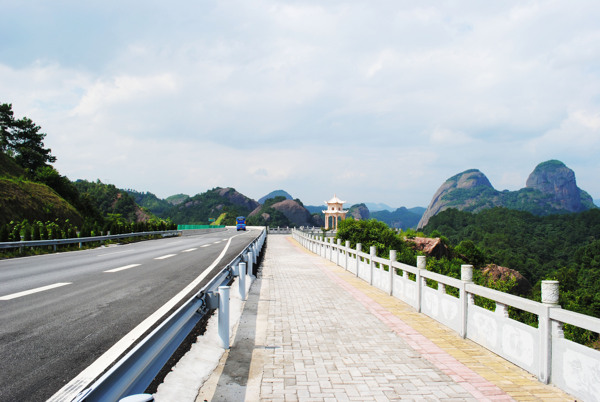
470,189
281,212
551,188
358,212
558,181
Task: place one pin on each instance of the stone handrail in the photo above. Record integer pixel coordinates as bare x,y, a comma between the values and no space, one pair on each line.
542,351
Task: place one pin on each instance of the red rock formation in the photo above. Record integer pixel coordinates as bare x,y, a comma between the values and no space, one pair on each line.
432,247
498,273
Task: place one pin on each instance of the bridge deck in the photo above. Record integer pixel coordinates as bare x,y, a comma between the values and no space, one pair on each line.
311,331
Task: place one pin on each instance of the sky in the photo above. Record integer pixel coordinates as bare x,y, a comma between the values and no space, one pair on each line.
374,101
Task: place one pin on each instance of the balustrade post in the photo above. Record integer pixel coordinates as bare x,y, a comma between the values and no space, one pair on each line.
466,276
550,297
347,252
372,252
339,251
420,281
358,250
392,273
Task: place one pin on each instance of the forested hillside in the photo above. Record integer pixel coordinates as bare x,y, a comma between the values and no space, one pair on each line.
211,204
151,202
401,218
565,247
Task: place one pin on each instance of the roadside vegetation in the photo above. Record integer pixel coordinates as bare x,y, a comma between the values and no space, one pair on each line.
503,237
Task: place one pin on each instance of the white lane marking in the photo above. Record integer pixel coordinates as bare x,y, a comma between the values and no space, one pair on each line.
123,268
206,245
217,242
83,379
36,290
189,249
164,257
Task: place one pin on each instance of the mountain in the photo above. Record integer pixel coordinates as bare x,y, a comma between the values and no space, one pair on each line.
282,212
550,189
316,209
418,210
401,218
273,194
151,202
379,206
212,204
358,212
177,199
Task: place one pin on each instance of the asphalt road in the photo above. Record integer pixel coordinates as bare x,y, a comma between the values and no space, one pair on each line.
60,312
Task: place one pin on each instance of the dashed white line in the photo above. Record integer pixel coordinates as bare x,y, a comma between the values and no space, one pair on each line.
206,245
122,268
189,249
32,291
164,257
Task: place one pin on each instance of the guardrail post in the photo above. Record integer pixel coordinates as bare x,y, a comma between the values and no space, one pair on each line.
420,281
550,294
391,268
224,316
242,279
466,276
250,267
358,250
372,263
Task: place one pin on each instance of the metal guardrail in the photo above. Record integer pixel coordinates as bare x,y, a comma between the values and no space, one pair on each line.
58,242
135,371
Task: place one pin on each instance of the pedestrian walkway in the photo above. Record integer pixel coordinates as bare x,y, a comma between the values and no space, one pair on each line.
311,331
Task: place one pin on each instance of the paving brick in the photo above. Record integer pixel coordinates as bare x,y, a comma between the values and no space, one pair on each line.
337,338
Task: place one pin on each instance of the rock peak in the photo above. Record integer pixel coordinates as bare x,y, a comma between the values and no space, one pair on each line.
555,179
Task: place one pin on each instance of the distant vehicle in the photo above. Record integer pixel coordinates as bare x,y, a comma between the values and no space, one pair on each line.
240,223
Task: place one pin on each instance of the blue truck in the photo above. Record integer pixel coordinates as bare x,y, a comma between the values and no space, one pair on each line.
240,223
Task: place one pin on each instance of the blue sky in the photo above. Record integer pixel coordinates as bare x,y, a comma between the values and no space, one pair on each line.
376,101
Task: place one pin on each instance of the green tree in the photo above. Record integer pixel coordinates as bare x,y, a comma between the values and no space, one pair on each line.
22,140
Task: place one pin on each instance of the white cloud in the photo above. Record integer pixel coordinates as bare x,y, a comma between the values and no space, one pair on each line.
390,98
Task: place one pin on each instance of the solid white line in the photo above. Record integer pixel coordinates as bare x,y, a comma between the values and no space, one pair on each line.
165,256
122,268
188,250
32,291
77,384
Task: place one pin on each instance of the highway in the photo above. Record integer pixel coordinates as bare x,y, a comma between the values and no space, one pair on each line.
60,312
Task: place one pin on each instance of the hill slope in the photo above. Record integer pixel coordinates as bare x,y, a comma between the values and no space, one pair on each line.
282,212
211,204
401,218
24,199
